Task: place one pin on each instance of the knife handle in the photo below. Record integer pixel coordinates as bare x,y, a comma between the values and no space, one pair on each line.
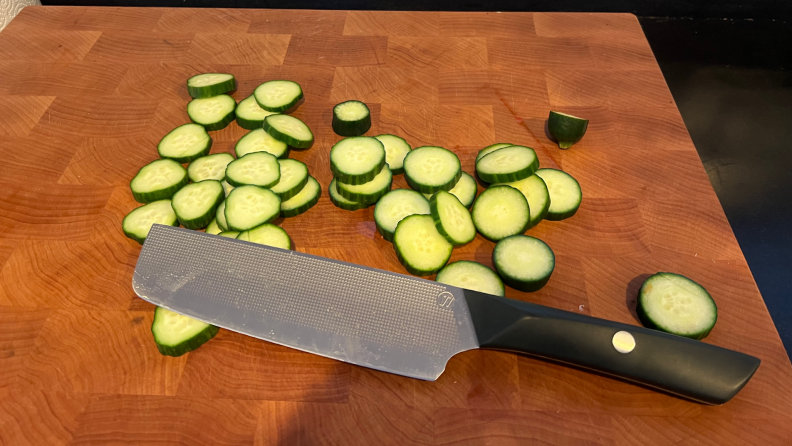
678,365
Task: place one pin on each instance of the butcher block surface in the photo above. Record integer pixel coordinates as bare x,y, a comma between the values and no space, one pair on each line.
85,95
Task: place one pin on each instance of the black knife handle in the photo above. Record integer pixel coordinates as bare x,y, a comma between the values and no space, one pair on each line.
678,365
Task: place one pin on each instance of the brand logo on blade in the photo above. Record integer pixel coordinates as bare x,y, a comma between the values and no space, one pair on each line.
445,299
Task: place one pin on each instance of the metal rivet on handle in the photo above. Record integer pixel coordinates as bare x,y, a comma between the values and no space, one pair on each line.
623,342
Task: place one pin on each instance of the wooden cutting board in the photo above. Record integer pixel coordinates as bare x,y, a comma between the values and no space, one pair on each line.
86,93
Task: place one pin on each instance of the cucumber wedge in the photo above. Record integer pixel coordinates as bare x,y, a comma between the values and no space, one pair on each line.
176,334
420,248
293,177
565,193
158,180
430,169
257,169
396,149
452,219
289,130
210,84
471,276
675,304
394,206
185,143
304,200
136,224
524,263
213,113
501,211
368,192
566,129
351,118
535,191
213,227
357,160
249,206
342,202
489,149
278,96
260,141
249,115
195,204
508,164
267,234
210,167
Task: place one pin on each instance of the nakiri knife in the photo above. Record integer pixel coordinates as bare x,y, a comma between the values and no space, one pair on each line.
408,325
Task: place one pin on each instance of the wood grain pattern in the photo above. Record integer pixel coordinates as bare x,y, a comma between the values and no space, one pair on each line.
87,93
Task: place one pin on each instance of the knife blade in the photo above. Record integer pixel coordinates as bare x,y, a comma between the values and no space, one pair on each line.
407,325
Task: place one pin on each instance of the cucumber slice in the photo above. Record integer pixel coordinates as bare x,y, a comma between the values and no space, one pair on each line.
351,118
213,227
210,167
278,96
289,130
565,193
176,334
136,224
250,206
489,149
342,202
210,84
675,304
508,164
452,219
227,188
213,113
395,150
256,169
249,115
394,206
293,177
430,169
501,211
357,160
158,180
260,141
368,192
465,190
267,234
185,143
220,217
524,263
420,248
229,234
566,129
535,191
304,200
195,204
471,276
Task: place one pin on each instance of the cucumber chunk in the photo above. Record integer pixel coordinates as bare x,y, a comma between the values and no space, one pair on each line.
452,218
256,169
195,204
293,177
213,113
210,167
342,202
278,96
176,334
229,234
210,84
430,169
267,234
289,130
249,115
395,150
220,217
260,141
508,164
213,227
675,304
465,190
368,192
249,206
137,224
394,206
420,248
565,193
524,263
158,180
351,118
357,160
185,143
535,191
471,276
566,129
304,200
489,149
501,211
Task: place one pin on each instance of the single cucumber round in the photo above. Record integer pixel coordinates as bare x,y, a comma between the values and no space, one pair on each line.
394,206
524,263
158,180
267,234
195,204
396,149
452,219
210,84
220,217
293,177
342,202
471,276
430,169
137,224
508,164
489,149
535,191
351,118
249,115
501,211
420,248
209,167
185,143
213,113
675,304
304,200
260,141
566,129
368,192
213,227
278,96
357,160
229,234
176,334
257,169
465,190
565,193
289,130
250,206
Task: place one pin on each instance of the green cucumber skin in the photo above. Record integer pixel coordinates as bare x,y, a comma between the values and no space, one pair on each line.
162,194
434,211
509,177
560,215
208,91
284,196
432,189
304,208
142,239
284,107
566,130
387,235
185,347
364,199
351,128
345,206
282,137
204,220
648,323
357,179
187,159
520,285
413,271
227,119
249,124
